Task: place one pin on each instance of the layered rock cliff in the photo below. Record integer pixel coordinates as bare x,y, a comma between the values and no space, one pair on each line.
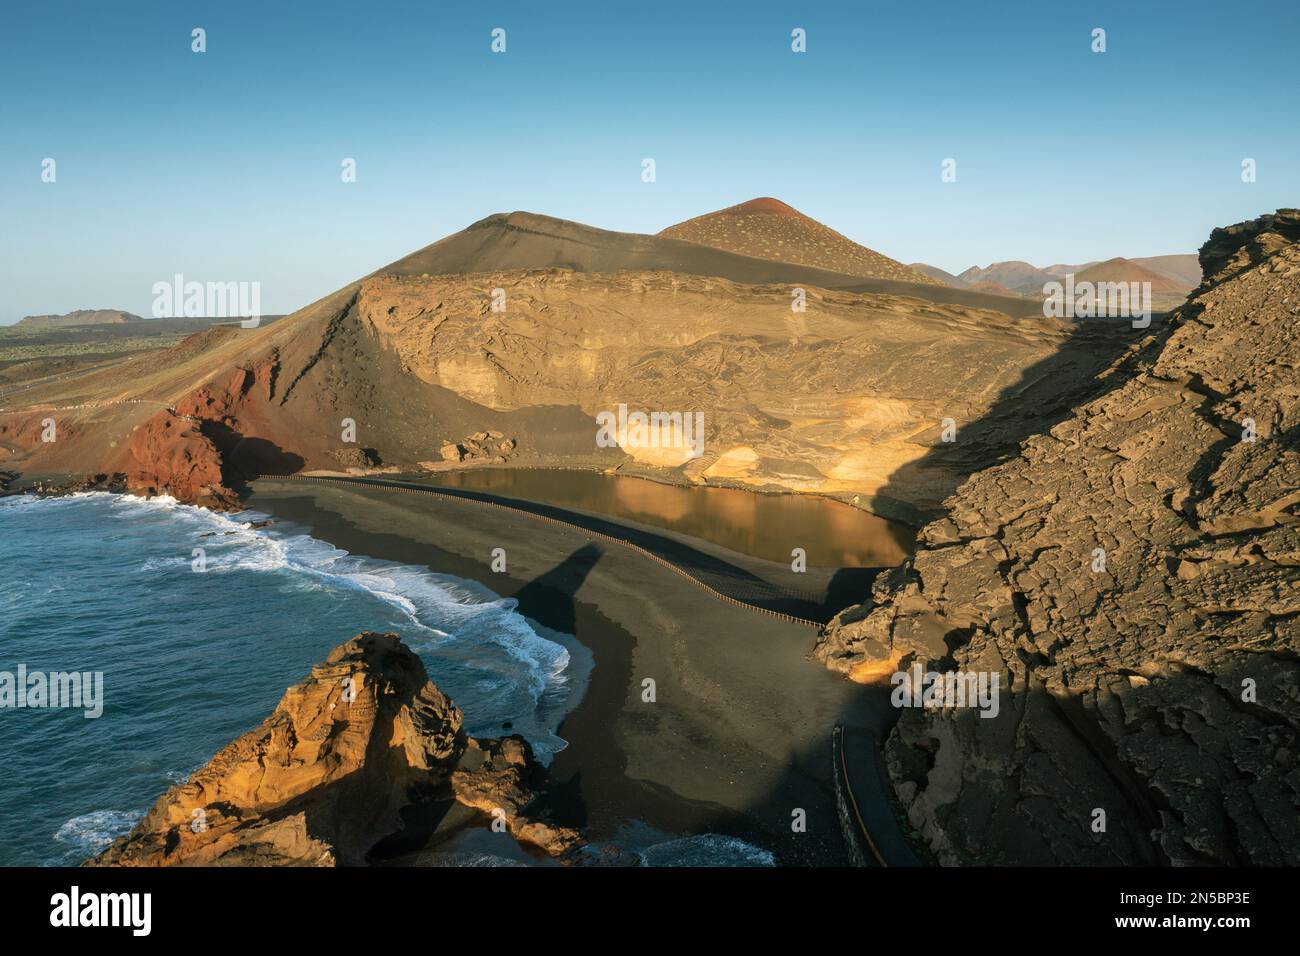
1134,577
366,750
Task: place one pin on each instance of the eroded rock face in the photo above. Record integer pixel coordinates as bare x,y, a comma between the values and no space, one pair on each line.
482,447
170,455
341,764
197,451
1134,577
1231,249
848,397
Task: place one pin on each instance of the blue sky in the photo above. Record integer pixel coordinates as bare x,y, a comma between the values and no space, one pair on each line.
226,165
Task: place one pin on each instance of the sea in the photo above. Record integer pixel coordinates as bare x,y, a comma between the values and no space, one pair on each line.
198,622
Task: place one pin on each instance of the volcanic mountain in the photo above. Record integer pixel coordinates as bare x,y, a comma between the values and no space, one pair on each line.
503,341
1185,269
769,229
1180,273
1132,576
938,275
1166,292
1126,270
1019,277
79,317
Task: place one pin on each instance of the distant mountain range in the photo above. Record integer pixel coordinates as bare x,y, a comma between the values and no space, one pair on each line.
1174,275
79,317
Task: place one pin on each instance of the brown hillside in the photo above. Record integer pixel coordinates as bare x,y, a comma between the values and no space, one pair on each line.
939,275
1184,269
769,229
832,400
1126,270
1015,275
1132,577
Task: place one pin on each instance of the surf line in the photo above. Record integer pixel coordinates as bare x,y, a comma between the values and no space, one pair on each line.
398,486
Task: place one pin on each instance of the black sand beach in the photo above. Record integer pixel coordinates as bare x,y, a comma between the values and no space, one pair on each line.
737,738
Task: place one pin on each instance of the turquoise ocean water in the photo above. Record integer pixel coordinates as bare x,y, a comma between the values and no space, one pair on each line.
106,583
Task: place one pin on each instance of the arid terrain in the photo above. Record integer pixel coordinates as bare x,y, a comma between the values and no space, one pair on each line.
1134,574
847,397
767,228
1168,275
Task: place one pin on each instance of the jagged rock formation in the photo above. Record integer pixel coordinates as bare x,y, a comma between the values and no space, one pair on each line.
480,447
366,749
1231,250
170,455
1134,576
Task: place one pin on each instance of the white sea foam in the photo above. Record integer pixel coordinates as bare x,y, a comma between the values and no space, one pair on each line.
444,614
473,860
438,605
508,673
89,833
706,849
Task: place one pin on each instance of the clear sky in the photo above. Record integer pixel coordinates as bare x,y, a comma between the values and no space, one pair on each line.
225,165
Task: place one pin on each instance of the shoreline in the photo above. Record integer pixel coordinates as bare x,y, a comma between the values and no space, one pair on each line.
737,738
878,506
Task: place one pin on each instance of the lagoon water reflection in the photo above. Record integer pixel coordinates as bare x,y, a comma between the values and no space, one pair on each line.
762,525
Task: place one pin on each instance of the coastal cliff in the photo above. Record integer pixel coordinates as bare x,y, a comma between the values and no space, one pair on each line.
1133,576
366,751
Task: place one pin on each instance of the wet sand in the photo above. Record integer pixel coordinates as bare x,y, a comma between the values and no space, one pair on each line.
737,737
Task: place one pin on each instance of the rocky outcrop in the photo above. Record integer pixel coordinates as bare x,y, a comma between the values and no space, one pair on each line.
1232,249
490,447
1133,577
352,456
366,749
170,455
199,451
104,482
493,776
